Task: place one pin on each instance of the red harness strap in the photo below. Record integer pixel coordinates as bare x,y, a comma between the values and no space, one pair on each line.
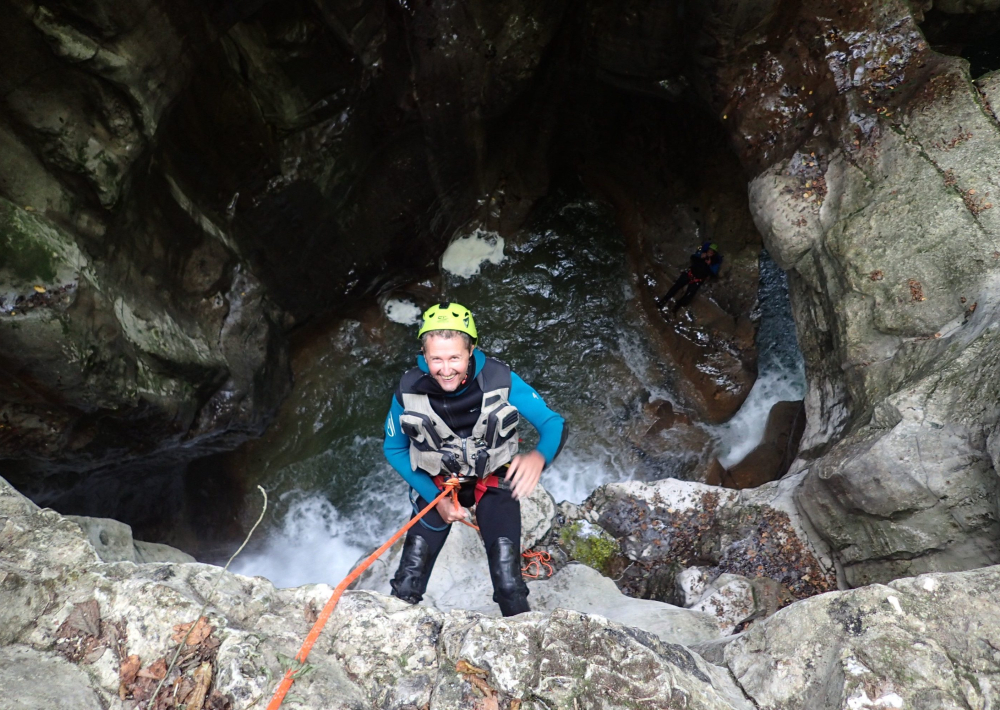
692,278
482,484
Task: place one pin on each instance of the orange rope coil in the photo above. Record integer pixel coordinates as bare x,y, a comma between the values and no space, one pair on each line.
536,560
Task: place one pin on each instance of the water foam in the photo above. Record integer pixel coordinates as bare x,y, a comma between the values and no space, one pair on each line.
465,256
782,370
402,312
576,474
739,436
311,546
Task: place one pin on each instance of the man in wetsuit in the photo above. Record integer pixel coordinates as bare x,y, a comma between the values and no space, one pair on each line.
705,264
456,415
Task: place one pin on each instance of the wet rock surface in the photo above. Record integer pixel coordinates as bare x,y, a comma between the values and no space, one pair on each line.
884,218
667,526
120,624
185,183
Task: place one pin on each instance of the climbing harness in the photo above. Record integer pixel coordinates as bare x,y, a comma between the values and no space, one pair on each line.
434,445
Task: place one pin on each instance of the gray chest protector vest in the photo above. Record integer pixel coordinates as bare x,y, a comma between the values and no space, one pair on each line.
435,448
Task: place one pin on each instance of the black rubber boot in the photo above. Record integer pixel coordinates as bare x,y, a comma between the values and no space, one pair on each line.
509,589
415,565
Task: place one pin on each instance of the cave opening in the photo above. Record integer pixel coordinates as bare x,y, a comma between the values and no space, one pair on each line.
973,36
339,189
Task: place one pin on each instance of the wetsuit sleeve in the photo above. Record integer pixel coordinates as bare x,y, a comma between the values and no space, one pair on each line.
551,427
715,265
396,447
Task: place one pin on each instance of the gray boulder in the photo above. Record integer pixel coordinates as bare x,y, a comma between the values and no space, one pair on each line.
113,542
63,685
883,205
925,642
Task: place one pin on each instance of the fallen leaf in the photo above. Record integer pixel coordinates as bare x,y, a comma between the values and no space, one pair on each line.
311,613
183,688
39,289
466,668
481,685
515,704
201,631
85,620
489,703
202,679
126,674
157,671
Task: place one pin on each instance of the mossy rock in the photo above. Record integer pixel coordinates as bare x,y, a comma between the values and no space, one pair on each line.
29,247
591,545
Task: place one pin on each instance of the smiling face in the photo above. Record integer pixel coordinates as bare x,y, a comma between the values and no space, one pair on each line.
447,361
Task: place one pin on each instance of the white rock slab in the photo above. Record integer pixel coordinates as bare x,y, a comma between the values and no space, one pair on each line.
581,588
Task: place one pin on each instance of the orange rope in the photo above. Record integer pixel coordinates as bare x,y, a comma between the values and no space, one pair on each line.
286,682
536,561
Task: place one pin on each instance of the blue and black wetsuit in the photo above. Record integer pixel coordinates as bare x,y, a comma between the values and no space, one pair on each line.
498,513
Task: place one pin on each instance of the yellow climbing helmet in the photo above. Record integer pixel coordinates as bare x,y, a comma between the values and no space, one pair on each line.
448,316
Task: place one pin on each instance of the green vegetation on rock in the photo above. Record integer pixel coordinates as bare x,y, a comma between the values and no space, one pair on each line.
590,545
24,252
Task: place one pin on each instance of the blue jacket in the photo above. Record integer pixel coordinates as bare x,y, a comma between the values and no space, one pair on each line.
529,403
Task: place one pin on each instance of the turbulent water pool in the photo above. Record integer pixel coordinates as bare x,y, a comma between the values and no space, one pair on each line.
556,303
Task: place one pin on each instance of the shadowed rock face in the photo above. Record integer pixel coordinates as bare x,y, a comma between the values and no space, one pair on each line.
183,184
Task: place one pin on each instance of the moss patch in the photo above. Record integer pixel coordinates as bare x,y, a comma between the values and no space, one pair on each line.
24,251
590,545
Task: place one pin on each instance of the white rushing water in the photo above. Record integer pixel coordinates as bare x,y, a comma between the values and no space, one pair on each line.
310,546
781,371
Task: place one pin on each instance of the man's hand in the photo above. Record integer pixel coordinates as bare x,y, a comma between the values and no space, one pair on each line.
524,472
450,512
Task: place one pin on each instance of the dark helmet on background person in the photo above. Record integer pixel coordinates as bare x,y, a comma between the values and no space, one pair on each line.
448,316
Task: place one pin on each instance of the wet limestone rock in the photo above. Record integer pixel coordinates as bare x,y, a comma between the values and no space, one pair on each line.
665,527
90,626
928,641
877,173
914,338
129,326
113,542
